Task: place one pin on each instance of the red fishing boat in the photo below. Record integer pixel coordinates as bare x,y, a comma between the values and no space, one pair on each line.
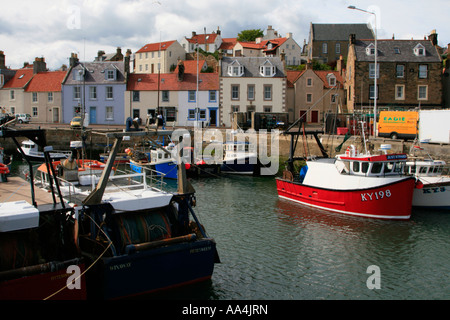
353,183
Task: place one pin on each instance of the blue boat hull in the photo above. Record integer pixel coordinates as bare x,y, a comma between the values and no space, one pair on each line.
156,269
168,168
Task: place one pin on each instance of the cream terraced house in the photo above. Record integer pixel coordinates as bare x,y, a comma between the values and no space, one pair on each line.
160,56
251,84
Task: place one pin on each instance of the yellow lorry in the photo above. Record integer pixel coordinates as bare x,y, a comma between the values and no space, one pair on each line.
398,124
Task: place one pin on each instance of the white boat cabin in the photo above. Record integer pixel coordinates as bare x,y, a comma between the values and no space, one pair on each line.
426,168
370,165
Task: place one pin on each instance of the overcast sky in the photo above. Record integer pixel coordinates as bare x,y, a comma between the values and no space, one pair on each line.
53,29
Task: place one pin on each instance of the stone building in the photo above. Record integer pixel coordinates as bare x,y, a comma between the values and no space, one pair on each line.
409,74
327,42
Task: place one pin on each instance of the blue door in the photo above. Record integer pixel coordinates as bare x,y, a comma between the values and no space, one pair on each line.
93,115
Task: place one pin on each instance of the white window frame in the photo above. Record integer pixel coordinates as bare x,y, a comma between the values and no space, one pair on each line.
34,97
423,71
109,93
251,92
92,93
50,97
400,96
234,92
400,73
110,75
372,71
419,94
268,92
76,93
109,113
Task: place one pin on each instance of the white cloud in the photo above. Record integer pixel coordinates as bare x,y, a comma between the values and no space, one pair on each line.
54,29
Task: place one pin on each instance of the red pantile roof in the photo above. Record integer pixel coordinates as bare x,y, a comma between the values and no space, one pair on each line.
228,43
276,43
251,45
20,79
190,66
292,76
322,74
169,81
200,38
49,81
156,46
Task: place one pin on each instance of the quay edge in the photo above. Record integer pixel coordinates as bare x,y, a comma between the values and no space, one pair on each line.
60,136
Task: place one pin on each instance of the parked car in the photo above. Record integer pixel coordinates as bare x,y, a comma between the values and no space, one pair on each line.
76,122
5,117
23,117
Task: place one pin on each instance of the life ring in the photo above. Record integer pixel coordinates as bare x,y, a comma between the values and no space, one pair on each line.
4,169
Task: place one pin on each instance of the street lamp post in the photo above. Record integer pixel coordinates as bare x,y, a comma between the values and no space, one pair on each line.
375,90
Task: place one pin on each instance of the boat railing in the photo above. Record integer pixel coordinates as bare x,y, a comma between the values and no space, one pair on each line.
148,178
122,180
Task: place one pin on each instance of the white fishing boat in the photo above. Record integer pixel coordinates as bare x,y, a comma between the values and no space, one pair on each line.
433,191
31,151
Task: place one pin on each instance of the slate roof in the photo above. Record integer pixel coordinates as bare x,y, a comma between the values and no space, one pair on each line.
340,31
96,72
252,64
386,51
169,81
49,81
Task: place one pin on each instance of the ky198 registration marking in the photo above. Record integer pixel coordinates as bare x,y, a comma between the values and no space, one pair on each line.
375,195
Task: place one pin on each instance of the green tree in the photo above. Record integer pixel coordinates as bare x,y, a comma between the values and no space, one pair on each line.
250,35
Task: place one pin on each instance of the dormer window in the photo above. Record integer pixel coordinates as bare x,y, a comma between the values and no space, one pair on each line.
78,74
235,69
267,69
331,80
419,50
110,74
370,49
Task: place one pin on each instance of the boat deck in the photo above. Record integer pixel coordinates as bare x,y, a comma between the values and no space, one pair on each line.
16,189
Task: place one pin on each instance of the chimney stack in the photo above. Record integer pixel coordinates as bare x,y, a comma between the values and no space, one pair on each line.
283,58
352,38
73,61
2,60
39,65
340,65
433,37
180,70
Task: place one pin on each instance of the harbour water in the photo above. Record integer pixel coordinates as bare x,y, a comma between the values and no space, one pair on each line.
277,250
273,249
